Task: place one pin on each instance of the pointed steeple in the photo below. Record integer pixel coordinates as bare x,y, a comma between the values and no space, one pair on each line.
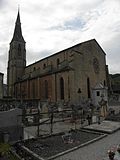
18,18
17,36
16,58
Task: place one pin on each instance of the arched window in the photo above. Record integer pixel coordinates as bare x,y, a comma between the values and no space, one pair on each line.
33,89
46,89
88,87
58,61
61,88
16,95
104,83
44,66
19,49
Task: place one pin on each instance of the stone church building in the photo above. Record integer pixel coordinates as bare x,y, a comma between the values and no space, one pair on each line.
65,76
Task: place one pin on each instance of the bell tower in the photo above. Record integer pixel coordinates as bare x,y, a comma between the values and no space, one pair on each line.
17,57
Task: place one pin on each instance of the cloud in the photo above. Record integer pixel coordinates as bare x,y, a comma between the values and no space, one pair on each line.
73,24
2,2
113,53
3,65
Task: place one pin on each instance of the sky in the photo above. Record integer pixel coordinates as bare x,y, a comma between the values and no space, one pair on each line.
49,26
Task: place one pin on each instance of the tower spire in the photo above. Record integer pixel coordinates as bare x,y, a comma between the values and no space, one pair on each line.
18,18
17,57
17,36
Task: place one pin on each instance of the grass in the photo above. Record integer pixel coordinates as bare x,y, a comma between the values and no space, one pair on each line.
5,150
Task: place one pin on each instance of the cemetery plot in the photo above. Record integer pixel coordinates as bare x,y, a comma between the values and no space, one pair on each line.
58,144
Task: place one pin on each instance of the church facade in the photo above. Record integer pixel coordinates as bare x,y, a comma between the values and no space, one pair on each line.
64,76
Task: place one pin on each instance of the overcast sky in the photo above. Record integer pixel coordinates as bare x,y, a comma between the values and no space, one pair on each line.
49,26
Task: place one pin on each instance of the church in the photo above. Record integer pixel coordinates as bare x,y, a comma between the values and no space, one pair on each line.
64,76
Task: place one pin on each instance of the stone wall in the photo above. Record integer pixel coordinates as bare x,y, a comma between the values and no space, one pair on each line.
11,125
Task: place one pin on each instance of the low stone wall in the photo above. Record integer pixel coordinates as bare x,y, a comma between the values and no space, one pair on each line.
10,118
11,128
